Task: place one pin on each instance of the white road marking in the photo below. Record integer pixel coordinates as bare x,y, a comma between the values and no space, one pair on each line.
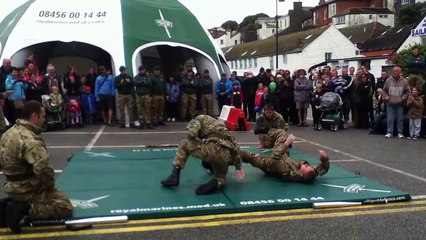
418,197
95,138
56,171
367,161
344,160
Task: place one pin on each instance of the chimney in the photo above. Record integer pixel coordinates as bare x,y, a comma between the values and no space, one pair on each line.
297,6
321,2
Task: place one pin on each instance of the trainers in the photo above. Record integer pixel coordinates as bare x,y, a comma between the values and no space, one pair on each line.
414,138
409,138
400,136
319,127
345,125
173,119
388,135
169,119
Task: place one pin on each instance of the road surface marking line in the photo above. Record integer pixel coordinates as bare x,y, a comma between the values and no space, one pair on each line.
367,161
95,138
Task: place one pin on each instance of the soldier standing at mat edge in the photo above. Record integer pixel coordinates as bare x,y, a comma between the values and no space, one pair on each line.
30,182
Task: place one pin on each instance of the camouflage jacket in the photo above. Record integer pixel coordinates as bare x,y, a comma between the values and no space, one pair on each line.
24,153
206,128
276,122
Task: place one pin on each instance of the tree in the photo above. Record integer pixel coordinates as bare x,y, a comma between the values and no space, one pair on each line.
411,13
250,20
230,25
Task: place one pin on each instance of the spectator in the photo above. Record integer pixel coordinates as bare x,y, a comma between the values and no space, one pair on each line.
89,105
258,99
395,93
143,85
415,104
206,93
91,79
362,100
188,88
17,85
236,95
158,93
51,79
223,91
249,86
125,89
105,92
316,106
34,90
172,98
72,83
302,91
416,66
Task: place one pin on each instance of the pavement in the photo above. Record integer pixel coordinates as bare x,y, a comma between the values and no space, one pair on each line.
398,163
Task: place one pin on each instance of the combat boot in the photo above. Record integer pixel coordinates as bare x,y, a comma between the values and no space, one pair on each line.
211,187
15,212
173,179
3,212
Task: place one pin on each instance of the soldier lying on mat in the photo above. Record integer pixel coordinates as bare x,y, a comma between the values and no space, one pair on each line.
211,142
286,168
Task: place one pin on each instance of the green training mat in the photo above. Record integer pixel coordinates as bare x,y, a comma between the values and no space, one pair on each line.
121,182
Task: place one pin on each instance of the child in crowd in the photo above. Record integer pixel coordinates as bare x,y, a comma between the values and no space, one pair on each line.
237,95
74,111
30,60
316,106
258,100
55,99
172,98
89,104
415,111
16,87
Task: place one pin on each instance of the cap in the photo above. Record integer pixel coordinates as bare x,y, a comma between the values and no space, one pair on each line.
122,68
141,68
261,69
206,71
87,88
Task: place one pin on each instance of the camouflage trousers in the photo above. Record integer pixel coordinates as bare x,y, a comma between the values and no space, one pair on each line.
125,100
217,156
46,204
157,108
275,139
189,103
207,104
144,108
3,126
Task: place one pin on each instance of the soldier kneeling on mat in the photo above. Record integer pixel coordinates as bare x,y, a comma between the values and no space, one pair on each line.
30,181
286,168
211,142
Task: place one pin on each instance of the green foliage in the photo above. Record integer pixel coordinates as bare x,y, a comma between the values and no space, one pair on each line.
230,25
250,20
400,57
411,13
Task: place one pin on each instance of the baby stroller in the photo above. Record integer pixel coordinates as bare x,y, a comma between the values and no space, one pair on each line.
331,107
74,116
53,114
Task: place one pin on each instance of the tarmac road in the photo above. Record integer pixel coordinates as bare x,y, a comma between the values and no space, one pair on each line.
398,163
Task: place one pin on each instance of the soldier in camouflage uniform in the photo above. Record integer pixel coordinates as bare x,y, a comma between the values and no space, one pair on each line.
30,182
158,94
286,168
267,125
125,89
188,88
143,84
206,90
211,142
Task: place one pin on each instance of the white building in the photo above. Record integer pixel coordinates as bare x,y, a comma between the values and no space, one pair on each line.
359,16
417,36
225,38
295,51
268,26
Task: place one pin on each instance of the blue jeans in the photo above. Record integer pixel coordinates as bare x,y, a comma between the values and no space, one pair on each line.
395,113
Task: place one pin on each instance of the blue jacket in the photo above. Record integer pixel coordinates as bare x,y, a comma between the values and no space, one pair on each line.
18,88
227,84
104,85
89,103
173,92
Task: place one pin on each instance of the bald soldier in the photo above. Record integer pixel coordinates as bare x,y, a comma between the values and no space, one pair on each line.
30,180
211,142
287,168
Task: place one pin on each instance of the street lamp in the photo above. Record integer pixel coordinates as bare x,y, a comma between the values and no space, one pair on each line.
276,34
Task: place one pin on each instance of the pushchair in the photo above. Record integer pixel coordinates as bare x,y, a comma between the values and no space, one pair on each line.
332,111
53,114
74,116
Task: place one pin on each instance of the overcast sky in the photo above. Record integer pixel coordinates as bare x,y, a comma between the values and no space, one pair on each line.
212,13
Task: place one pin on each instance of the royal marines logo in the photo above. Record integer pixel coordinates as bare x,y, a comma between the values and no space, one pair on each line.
356,188
87,204
164,23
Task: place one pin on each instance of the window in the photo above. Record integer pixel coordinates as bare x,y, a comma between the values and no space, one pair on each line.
240,65
383,16
245,63
325,14
404,2
255,62
370,16
221,41
232,64
273,30
315,18
340,20
328,56
285,58
331,10
250,62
